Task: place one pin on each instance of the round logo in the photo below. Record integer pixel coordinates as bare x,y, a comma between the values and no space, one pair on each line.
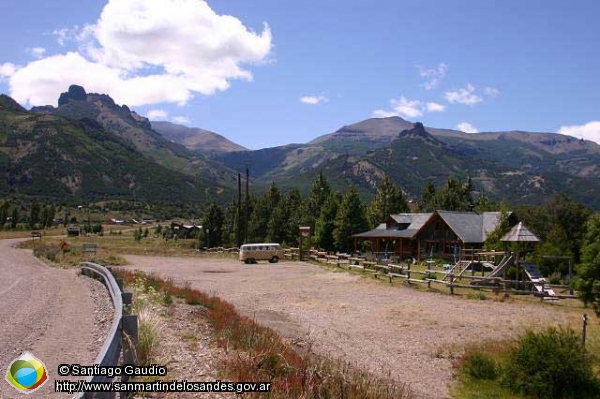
26,373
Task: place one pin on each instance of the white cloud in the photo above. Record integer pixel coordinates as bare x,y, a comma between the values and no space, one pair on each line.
433,76
467,128
7,70
313,100
408,108
463,96
491,92
157,115
589,131
181,120
147,52
435,107
379,113
37,52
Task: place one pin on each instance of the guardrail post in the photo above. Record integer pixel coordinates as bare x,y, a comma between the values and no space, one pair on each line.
130,337
127,298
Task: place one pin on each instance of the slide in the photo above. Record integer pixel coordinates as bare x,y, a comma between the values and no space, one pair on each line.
536,277
504,263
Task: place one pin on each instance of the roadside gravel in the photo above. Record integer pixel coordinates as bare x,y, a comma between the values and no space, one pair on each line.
53,313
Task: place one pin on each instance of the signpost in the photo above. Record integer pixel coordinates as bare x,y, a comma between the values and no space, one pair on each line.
304,233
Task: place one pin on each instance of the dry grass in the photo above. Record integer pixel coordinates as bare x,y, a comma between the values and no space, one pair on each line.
257,353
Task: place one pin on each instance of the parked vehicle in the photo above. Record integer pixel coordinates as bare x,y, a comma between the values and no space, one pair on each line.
251,253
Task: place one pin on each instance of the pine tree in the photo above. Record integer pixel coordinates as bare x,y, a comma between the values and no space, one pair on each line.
484,204
213,224
285,219
350,220
428,198
319,193
454,196
325,223
493,240
34,215
14,219
388,200
3,213
588,281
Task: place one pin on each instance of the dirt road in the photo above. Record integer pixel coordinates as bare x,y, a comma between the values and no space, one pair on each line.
399,329
46,311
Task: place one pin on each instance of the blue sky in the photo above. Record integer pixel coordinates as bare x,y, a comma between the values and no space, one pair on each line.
243,68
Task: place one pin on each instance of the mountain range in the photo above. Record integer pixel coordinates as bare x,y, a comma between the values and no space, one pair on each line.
90,148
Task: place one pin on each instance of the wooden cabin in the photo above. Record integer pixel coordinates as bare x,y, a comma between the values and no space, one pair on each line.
440,234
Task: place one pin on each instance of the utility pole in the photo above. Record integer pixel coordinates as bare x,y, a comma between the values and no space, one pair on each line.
247,204
239,212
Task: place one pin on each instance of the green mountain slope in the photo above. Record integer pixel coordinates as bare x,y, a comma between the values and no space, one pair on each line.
519,166
65,159
132,128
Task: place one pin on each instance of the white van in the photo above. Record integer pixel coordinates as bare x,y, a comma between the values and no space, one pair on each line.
250,253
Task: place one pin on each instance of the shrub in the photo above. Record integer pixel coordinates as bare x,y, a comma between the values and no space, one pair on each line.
551,364
477,295
479,365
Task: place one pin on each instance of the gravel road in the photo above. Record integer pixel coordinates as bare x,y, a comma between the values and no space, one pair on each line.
408,332
53,313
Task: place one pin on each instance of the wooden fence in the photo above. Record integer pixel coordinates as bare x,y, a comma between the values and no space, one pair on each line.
406,273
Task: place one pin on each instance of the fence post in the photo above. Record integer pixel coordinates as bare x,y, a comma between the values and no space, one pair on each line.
451,283
583,331
408,273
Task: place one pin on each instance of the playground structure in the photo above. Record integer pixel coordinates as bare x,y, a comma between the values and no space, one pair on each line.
461,276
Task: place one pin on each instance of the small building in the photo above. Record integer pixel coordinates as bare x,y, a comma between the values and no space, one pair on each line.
185,230
436,234
72,230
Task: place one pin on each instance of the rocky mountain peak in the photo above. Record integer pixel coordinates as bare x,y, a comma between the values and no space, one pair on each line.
75,93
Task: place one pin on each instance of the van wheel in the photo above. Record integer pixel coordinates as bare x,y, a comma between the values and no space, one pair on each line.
253,261
246,261
274,259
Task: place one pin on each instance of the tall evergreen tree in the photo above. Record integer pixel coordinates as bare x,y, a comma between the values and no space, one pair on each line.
573,218
261,214
454,196
44,216
213,224
350,220
50,216
293,203
388,200
34,214
319,193
67,218
492,241
325,223
14,218
427,203
588,281
3,213
484,204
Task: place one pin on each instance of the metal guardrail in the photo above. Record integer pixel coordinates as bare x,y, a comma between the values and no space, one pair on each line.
111,350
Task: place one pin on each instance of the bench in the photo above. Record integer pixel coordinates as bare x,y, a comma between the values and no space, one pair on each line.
91,248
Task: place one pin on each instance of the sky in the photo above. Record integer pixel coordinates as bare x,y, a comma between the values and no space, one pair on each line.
267,73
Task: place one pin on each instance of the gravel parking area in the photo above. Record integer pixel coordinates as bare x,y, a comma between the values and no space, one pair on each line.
407,332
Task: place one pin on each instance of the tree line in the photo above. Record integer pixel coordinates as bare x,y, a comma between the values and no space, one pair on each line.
40,216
